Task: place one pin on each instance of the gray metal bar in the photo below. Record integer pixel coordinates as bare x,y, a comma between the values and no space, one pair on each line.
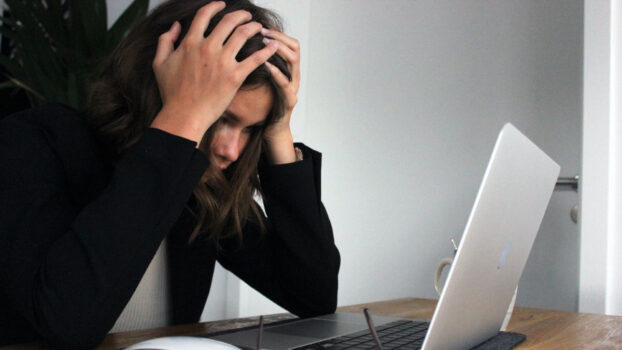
568,181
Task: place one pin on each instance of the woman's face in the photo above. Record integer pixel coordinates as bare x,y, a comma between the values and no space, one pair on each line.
248,110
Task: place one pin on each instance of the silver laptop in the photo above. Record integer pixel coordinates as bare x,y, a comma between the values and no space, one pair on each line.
498,236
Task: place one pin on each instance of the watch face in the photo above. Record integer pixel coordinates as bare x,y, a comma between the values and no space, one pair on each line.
298,153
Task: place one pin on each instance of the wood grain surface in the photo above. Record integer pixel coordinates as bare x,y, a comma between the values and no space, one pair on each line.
545,329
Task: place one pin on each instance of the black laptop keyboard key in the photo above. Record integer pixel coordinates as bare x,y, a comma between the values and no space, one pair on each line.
402,334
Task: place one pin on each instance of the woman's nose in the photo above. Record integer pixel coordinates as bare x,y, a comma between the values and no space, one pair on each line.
230,147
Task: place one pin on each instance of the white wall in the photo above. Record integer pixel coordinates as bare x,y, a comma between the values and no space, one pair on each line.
601,270
595,183
406,98
614,263
116,7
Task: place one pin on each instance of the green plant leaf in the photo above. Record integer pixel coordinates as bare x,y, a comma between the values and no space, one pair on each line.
41,64
57,24
34,78
55,9
30,32
6,84
12,68
73,91
77,36
58,49
34,60
90,17
7,21
7,33
132,14
28,89
43,69
52,22
21,12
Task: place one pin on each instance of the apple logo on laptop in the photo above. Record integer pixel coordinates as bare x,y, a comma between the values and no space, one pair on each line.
504,255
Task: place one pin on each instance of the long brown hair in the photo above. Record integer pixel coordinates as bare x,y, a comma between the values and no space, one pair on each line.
126,99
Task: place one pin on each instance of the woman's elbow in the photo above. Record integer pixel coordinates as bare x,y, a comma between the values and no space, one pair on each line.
75,341
323,302
73,334
328,299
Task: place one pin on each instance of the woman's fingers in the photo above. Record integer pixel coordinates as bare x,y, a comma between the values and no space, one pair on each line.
278,76
201,20
275,34
290,51
240,36
228,24
285,52
257,58
166,44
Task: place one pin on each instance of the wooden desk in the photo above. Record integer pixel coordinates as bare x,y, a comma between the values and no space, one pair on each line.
545,329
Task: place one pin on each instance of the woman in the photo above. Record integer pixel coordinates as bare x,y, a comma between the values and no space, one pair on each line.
189,120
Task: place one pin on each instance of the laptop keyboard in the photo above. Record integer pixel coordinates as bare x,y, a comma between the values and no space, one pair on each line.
402,334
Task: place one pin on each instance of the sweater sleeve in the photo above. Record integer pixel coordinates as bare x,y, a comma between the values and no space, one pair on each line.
295,263
70,271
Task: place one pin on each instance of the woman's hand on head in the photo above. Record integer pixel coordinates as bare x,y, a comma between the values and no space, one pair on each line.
278,135
198,79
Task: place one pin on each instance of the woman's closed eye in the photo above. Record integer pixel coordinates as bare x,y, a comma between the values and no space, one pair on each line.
231,120
224,119
252,128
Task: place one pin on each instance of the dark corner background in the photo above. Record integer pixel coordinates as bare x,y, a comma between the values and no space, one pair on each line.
10,100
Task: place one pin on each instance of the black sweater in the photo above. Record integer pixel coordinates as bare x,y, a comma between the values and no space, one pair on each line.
77,232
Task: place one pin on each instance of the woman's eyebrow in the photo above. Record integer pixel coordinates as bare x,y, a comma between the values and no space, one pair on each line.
228,114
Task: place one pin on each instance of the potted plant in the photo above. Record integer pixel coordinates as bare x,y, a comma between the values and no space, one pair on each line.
57,46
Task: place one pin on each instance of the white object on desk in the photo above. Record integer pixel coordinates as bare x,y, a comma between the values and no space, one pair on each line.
182,343
448,261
